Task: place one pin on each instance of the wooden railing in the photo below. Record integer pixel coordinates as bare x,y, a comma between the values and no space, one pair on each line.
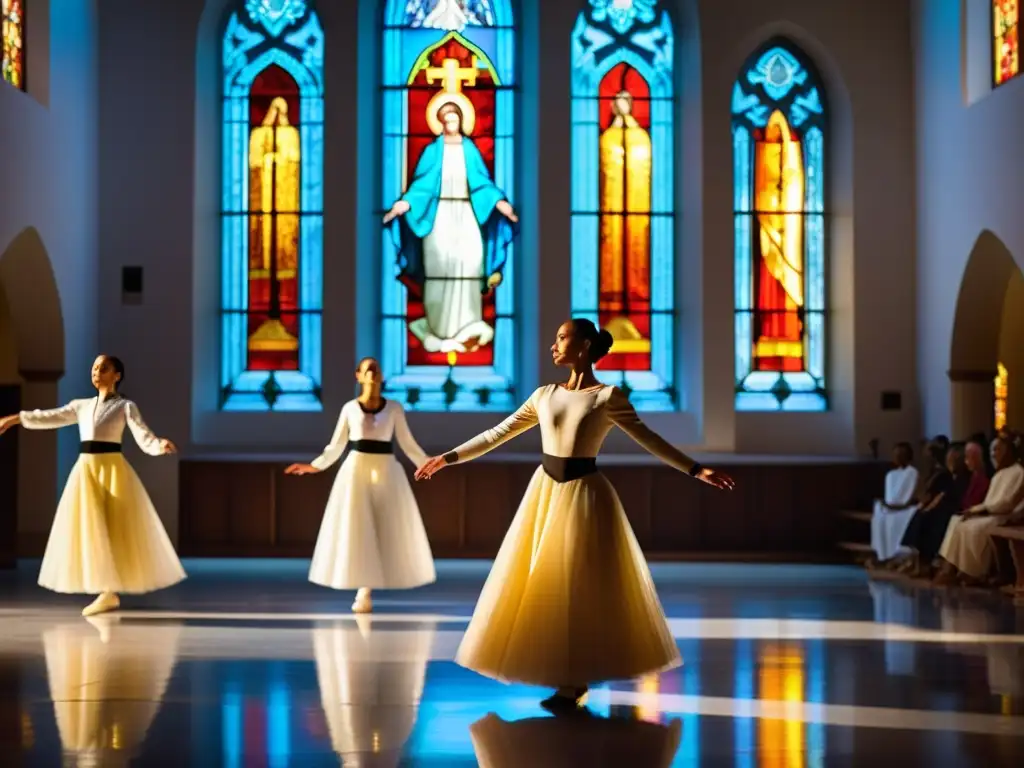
778,511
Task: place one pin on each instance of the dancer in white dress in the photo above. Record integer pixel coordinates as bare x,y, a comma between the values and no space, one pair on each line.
570,601
372,535
106,537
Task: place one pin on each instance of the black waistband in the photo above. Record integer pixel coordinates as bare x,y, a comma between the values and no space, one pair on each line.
372,446
563,469
98,446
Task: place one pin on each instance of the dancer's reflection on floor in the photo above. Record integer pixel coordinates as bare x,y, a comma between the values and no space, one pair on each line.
371,683
579,739
107,683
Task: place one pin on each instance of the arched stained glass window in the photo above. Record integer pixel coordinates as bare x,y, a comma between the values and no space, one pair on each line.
1002,391
448,183
272,203
1005,43
13,14
779,142
623,192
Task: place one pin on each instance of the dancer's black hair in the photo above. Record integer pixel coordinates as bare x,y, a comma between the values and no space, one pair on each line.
600,340
118,365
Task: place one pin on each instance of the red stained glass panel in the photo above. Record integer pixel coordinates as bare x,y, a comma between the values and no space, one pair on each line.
482,94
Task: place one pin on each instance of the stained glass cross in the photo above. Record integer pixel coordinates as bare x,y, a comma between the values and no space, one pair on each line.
452,75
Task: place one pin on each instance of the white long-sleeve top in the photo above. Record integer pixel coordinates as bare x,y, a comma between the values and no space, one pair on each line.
574,424
100,420
355,423
1001,491
900,484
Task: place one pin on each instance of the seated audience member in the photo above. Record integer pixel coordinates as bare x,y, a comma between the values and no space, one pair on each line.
1005,567
967,547
985,442
944,496
891,514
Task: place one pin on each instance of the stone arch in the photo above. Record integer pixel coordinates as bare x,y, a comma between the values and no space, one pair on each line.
34,335
33,301
978,324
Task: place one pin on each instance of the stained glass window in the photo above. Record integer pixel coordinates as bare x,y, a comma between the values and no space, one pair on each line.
1002,390
1005,44
448,183
779,151
272,198
623,192
14,42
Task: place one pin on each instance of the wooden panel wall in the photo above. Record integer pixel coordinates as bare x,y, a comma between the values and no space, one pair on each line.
247,509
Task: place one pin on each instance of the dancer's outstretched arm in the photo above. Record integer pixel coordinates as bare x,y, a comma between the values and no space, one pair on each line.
54,418
405,439
624,416
331,453
148,442
520,421
333,450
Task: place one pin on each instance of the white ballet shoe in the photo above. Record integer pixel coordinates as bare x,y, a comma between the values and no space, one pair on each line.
363,603
108,601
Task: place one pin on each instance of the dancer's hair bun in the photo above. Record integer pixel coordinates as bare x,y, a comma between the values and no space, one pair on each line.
600,348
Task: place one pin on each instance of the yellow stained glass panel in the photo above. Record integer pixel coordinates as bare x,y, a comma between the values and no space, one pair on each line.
14,42
1002,382
1005,43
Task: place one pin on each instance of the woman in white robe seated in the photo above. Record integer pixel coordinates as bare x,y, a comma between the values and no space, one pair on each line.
892,513
967,548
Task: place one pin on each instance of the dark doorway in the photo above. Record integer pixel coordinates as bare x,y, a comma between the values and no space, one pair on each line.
10,402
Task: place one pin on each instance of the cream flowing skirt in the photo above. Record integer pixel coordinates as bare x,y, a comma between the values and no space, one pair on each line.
570,600
372,534
106,536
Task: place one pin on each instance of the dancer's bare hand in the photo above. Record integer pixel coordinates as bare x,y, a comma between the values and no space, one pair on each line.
301,469
431,467
167,447
400,208
717,479
7,422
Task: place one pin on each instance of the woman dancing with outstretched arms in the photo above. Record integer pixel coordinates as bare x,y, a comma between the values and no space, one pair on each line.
106,537
372,535
570,601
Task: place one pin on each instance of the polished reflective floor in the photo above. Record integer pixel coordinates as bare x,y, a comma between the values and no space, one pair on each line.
246,664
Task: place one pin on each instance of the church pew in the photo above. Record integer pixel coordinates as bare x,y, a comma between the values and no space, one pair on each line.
1015,538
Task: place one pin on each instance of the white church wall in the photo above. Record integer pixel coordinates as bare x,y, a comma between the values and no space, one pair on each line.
49,136
969,160
159,112
856,47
